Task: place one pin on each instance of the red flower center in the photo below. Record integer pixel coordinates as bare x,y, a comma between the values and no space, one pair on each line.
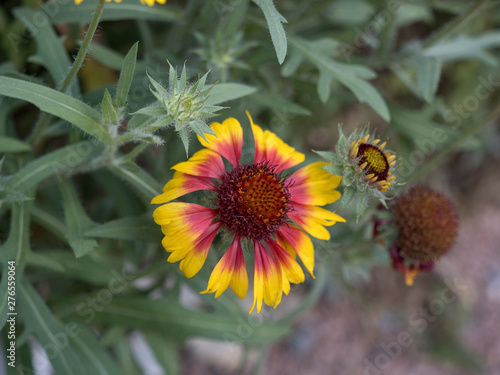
377,162
254,201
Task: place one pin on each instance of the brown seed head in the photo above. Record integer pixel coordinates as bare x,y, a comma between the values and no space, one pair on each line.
427,224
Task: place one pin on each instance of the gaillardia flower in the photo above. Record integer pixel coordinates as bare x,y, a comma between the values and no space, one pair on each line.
366,167
427,226
256,204
148,2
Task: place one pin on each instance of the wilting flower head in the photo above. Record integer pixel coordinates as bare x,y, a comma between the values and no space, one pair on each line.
427,226
255,203
148,2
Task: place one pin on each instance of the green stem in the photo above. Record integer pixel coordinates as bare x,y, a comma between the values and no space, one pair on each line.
146,35
136,151
77,64
387,38
80,57
455,25
469,132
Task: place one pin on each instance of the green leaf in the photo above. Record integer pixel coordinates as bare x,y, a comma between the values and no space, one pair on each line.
352,76
126,9
87,346
14,249
170,319
126,76
161,92
129,228
51,334
183,133
94,272
280,104
108,110
160,123
51,52
49,222
428,74
274,21
107,56
361,204
58,161
466,47
201,128
347,196
182,81
77,221
223,92
334,169
153,111
58,104
142,182
12,145
328,156
11,196
39,259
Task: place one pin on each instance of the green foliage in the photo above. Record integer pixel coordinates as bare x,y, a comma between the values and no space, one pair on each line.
274,21
82,156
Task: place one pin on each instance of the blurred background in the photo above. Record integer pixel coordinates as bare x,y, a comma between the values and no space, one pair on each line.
94,289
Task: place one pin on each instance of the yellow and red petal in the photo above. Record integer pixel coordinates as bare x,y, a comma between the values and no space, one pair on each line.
204,163
313,220
182,184
312,185
295,241
230,270
227,141
239,280
195,259
269,148
180,216
268,284
292,269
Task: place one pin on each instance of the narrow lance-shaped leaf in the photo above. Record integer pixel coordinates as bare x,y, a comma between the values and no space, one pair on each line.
126,9
58,161
274,21
126,75
52,335
354,77
14,250
428,74
108,110
12,145
58,104
128,228
88,346
50,48
223,92
142,182
77,221
171,319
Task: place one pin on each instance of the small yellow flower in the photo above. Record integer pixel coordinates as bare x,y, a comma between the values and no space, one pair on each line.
148,2
374,162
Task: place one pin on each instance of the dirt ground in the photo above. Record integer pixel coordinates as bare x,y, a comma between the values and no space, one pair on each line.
447,323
